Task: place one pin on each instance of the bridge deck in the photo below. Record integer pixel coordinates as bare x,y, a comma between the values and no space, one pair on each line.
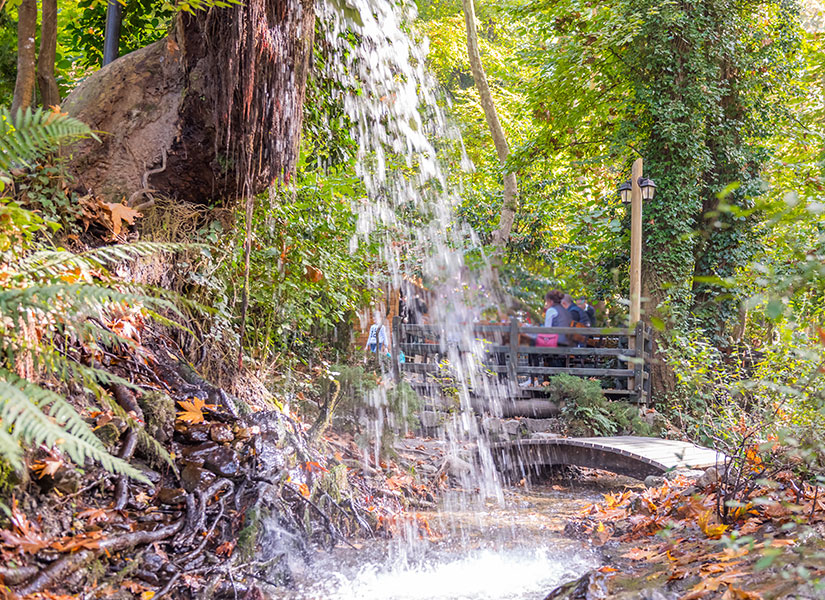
627,455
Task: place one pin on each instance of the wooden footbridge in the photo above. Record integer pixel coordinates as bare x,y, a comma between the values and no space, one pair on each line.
517,368
633,456
618,357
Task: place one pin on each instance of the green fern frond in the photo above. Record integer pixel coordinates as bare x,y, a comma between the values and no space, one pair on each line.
32,133
36,416
52,262
10,449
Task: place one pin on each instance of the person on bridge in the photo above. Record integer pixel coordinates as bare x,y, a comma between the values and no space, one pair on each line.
588,309
577,315
556,315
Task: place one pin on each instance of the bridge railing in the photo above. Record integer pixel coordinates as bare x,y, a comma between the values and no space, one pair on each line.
618,357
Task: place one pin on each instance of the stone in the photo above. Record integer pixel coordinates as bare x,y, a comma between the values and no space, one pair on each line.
511,426
224,462
172,495
430,419
652,481
492,425
544,435
199,432
539,425
692,474
456,467
708,478
194,478
221,433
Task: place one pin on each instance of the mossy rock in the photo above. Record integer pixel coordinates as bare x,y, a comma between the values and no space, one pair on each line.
159,414
109,434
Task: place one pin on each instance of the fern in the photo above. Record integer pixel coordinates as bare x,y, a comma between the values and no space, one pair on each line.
34,415
33,133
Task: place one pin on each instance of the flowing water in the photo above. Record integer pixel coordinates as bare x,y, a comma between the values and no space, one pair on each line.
493,543
513,551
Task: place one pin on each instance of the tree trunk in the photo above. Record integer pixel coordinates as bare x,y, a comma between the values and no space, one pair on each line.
213,111
49,93
508,209
26,33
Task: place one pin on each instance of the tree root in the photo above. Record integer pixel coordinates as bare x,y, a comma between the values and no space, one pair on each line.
63,567
17,576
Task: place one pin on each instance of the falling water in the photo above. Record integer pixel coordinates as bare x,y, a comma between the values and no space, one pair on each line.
403,137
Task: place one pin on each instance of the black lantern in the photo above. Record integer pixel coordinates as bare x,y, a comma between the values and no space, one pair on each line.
624,192
648,188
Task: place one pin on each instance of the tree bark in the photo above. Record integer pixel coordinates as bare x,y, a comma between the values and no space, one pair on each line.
26,33
221,98
510,205
46,82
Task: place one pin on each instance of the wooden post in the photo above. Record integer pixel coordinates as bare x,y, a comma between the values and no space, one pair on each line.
395,344
512,366
635,243
638,365
635,259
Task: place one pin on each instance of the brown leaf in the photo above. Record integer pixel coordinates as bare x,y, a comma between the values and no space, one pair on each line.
25,535
118,213
89,541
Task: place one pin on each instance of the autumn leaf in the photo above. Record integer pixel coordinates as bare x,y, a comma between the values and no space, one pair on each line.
50,465
734,593
193,411
712,531
88,541
304,490
225,549
147,595
712,584
118,213
644,554
24,535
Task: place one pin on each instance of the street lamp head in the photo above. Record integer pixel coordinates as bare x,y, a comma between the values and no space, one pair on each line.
624,192
648,188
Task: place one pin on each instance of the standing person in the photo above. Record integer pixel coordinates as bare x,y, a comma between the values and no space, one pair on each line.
576,313
557,314
377,337
588,309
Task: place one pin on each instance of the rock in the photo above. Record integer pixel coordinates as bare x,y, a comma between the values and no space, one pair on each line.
539,425
456,467
544,435
511,426
492,425
221,433
67,480
708,478
199,432
152,475
172,495
223,462
692,474
430,419
652,481
159,414
194,478
590,586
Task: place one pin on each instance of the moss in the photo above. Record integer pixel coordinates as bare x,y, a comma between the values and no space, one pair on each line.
8,481
109,434
159,414
335,482
247,545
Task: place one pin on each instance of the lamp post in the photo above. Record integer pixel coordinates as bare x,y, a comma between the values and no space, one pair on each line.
633,192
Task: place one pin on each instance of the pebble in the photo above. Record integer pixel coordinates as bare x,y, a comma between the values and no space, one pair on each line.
221,433
172,495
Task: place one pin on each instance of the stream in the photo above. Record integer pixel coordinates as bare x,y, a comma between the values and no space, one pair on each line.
512,552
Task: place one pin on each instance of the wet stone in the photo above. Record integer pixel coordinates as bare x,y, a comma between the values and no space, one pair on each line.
544,435
194,478
171,495
221,433
512,426
539,425
198,432
223,462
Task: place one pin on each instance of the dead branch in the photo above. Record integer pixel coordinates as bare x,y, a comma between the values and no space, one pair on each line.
62,568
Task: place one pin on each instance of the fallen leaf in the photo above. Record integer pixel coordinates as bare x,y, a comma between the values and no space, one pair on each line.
714,532
118,213
24,536
193,411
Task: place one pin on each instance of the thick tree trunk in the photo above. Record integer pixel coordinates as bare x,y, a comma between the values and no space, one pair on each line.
508,210
213,111
26,33
46,82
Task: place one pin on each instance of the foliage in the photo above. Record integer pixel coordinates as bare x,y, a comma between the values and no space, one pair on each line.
54,305
589,413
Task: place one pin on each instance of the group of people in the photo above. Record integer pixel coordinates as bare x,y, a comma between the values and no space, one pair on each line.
561,311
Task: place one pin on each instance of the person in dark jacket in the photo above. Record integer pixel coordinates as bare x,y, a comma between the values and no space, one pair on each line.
577,315
588,309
